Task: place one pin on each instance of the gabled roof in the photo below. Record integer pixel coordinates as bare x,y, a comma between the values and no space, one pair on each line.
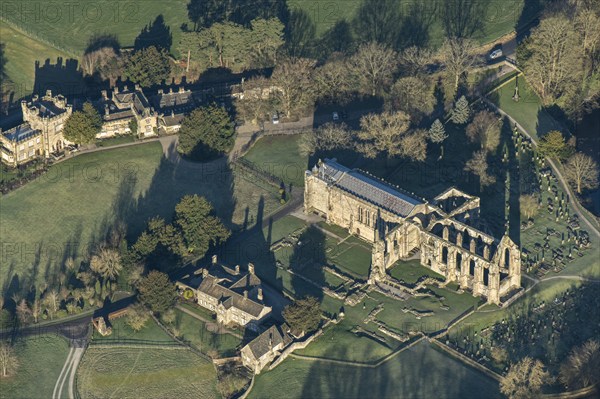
266,341
227,287
368,188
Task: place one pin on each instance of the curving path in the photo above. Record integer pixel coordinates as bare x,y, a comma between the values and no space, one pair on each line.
68,372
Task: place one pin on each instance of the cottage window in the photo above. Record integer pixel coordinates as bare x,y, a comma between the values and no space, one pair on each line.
37,140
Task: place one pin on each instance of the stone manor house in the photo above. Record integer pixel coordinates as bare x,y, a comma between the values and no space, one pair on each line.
235,296
400,225
40,134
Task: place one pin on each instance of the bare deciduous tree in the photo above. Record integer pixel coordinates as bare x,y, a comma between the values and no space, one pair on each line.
23,312
412,95
388,133
327,137
137,316
373,67
582,172
332,82
525,379
106,263
8,359
529,205
555,62
51,301
459,57
293,79
478,166
414,60
485,130
581,367
256,103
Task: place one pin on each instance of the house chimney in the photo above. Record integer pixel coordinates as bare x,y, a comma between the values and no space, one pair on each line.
237,269
245,294
104,94
251,268
205,272
49,93
106,109
181,89
116,90
214,259
170,90
137,87
160,91
125,88
260,294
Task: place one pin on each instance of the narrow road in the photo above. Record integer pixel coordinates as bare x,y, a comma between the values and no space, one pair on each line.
574,202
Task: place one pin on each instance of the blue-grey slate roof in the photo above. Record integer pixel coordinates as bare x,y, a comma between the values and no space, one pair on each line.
21,132
377,192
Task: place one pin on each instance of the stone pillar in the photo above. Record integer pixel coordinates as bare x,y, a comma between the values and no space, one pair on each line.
459,238
472,246
445,233
486,252
464,272
478,280
451,266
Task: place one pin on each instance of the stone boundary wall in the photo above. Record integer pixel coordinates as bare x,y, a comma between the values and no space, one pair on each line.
465,359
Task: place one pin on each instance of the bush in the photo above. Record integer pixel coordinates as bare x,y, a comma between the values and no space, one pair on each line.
188,294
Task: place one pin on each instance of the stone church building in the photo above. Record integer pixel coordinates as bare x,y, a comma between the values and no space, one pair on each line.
400,225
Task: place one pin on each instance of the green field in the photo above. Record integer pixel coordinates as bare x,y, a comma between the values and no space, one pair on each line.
194,331
21,52
70,27
41,359
280,157
419,372
147,372
121,332
500,17
69,210
527,111
411,271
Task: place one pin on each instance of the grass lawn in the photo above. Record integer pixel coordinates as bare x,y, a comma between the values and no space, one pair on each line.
280,156
410,271
282,227
499,19
71,27
116,140
21,52
148,373
194,331
527,111
70,209
122,332
355,259
41,359
419,372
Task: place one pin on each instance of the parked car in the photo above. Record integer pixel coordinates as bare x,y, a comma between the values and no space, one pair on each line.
275,119
336,116
497,53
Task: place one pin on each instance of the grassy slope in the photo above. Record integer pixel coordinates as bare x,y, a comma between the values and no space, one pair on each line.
69,209
419,372
279,156
21,53
500,18
125,19
36,378
527,111
148,373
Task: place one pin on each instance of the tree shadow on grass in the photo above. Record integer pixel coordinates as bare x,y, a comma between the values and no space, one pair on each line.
307,262
415,373
157,34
